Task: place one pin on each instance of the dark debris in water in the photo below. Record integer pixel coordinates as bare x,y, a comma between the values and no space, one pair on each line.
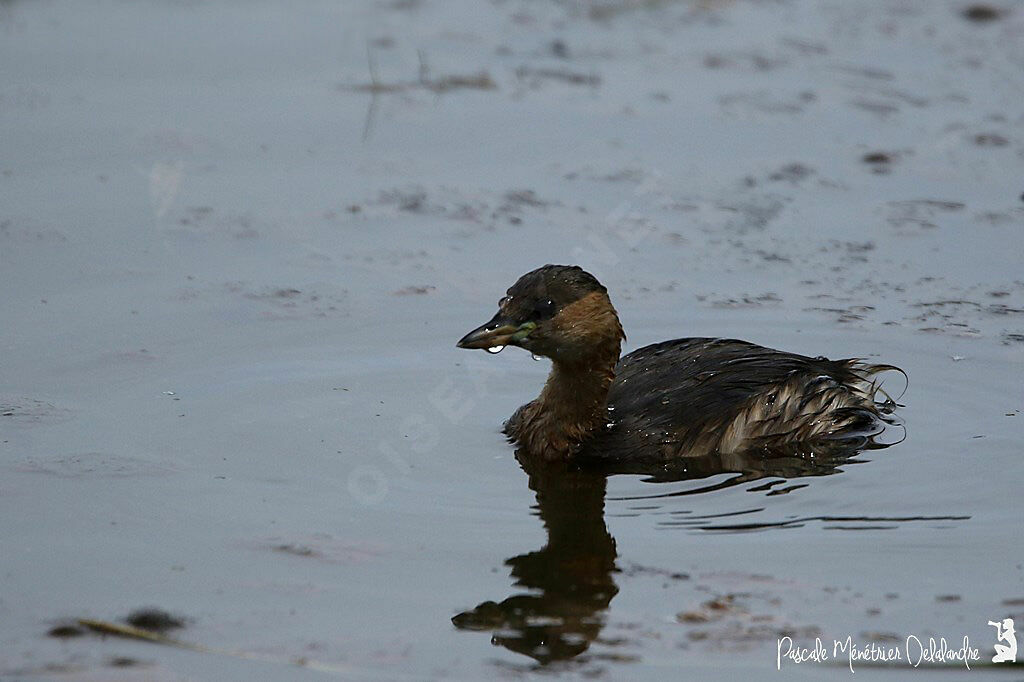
525,197
535,77
792,173
875,106
745,301
749,61
410,200
920,213
482,209
476,81
632,570
731,621
481,80
768,101
296,550
154,620
714,609
413,290
982,13
66,631
990,140
283,302
322,547
559,49
28,410
880,162
94,465
149,619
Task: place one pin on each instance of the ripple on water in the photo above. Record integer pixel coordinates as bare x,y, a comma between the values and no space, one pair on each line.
22,410
93,465
708,494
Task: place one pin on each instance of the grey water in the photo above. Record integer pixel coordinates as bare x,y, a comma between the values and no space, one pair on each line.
238,243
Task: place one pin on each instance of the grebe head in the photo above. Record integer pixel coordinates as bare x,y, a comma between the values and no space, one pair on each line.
559,311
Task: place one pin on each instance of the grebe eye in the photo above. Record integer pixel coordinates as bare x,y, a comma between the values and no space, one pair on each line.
544,309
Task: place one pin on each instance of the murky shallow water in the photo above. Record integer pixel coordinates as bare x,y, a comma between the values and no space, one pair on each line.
233,278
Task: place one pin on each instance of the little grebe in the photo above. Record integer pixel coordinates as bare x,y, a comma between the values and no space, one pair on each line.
680,398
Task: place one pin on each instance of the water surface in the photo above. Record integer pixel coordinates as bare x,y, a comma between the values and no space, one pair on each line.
238,242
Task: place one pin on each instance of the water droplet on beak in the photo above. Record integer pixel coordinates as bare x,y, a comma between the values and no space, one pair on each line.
495,349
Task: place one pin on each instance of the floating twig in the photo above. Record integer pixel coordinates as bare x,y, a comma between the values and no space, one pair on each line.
104,627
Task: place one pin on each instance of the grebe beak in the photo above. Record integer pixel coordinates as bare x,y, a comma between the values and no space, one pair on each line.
496,333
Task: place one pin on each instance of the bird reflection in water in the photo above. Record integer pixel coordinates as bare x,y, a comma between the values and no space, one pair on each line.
566,587
568,583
